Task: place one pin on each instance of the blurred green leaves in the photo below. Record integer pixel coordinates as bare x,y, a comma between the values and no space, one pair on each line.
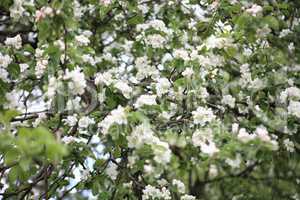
27,146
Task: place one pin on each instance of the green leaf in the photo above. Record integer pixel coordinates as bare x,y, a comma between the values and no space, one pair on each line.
103,196
11,156
137,116
14,70
136,20
272,22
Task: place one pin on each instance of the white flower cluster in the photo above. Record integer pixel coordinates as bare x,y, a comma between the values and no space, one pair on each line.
144,69
71,120
5,60
291,93
104,78
179,185
156,41
74,103
261,133
181,54
145,100
289,145
255,10
234,163
41,63
246,78
203,115
116,116
142,135
162,86
77,82
294,108
82,40
203,138
15,99
43,12
187,197
53,87
292,96
17,10
228,100
112,170
155,24
105,2
125,89
150,192
14,42
188,72
218,42
70,139
85,121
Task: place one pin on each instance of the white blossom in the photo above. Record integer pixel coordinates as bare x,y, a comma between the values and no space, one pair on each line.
82,40
213,171
234,163
244,136
141,135
235,128
150,193
105,78
188,72
228,100
23,67
284,33
69,139
187,197
203,115
204,140
262,133
5,60
156,41
201,136
71,120
162,86
112,170
145,100
88,59
254,10
43,12
289,145
77,82
40,67
14,100
181,53
179,185
105,2
85,121
125,89
74,104
209,148
4,75
291,93
294,108
15,42
53,87
17,10
161,151
116,116
217,42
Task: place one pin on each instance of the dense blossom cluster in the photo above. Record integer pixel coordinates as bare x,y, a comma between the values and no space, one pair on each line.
151,100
